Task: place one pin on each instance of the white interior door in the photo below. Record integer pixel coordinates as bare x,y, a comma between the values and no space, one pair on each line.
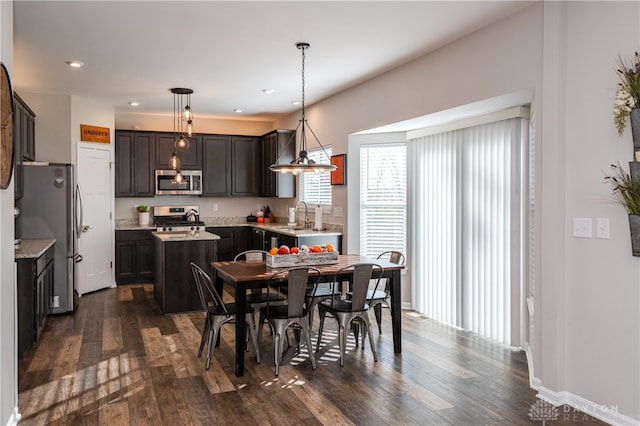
95,239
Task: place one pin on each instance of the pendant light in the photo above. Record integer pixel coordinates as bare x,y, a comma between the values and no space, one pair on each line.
303,164
182,114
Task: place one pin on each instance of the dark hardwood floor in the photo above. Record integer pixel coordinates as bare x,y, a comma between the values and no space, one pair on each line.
117,361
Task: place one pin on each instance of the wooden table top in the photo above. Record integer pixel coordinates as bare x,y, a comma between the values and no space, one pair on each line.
242,271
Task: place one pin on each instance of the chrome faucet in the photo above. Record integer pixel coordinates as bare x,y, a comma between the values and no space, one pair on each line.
306,215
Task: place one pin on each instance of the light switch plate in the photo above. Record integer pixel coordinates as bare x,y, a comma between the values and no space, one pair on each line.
602,228
582,227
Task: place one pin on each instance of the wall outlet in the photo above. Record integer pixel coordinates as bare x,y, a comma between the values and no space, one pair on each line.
215,207
55,303
582,227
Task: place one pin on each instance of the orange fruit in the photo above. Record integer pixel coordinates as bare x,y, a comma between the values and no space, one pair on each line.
317,249
273,251
329,248
294,250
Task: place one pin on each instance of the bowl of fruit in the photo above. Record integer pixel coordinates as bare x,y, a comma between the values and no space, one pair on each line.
285,256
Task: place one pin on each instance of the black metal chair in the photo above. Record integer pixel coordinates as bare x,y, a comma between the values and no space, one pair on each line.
292,314
218,314
382,298
354,309
258,298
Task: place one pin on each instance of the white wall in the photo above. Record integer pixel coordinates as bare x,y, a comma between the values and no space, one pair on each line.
8,335
586,338
53,130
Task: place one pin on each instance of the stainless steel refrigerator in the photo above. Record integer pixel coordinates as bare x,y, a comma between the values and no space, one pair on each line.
51,207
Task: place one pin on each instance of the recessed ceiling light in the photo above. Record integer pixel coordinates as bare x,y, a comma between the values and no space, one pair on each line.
238,110
268,91
295,102
75,64
134,103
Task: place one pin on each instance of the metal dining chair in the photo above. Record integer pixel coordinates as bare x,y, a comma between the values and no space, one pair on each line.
258,298
382,297
218,314
354,309
293,313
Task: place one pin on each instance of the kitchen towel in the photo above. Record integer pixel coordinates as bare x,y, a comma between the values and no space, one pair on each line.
318,224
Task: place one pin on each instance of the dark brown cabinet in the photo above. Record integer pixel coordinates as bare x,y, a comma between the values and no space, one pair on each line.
233,240
24,139
135,174
191,158
216,168
34,294
134,257
280,146
246,166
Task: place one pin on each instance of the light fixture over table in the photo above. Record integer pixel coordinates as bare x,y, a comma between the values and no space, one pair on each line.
303,164
182,122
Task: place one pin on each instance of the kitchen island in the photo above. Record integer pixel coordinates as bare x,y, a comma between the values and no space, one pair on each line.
174,288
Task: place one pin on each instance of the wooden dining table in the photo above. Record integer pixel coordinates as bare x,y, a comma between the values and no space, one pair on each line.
245,275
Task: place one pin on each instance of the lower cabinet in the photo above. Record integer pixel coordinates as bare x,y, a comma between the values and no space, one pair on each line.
233,240
35,290
134,256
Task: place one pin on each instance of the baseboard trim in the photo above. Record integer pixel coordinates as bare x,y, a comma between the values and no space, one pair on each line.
534,382
601,412
14,418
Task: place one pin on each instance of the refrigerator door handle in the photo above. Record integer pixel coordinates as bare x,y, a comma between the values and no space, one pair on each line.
78,211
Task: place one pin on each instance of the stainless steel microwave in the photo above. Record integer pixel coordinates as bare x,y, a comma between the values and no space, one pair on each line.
166,183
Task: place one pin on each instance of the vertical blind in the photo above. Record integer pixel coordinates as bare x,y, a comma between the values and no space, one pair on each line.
383,198
315,188
464,213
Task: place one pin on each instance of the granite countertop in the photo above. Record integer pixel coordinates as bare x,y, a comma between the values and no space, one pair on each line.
32,249
282,228
185,236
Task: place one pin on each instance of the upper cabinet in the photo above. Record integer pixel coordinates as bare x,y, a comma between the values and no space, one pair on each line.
280,146
24,139
191,158
246,166
135,171
24,128
216,170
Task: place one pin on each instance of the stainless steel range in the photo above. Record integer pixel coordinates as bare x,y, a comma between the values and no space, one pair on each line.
177,219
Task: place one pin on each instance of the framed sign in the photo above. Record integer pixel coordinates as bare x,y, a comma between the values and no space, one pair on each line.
94,134
339,176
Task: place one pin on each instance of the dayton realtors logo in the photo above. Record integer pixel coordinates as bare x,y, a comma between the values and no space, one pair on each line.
543,411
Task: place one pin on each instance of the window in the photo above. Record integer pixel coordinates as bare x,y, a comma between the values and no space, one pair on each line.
383,198
315,188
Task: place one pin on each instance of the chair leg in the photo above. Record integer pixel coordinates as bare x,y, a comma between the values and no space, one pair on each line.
254,339
320,328
277,349
307,334
367,326
205,334
342,341
213,337
377,309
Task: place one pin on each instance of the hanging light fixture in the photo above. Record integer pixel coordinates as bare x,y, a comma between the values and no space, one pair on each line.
303,164
182,113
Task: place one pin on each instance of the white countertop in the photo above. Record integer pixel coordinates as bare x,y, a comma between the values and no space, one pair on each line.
185,236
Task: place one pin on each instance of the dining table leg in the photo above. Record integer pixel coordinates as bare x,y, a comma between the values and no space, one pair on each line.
241,326
396,311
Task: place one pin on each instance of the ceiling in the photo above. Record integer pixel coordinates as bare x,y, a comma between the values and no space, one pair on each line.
228,52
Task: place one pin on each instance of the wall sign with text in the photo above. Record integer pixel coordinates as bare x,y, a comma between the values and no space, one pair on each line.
94,134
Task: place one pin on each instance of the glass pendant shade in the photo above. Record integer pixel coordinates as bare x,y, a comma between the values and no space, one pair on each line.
174,162
178,179
187,115
181,143
189,128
